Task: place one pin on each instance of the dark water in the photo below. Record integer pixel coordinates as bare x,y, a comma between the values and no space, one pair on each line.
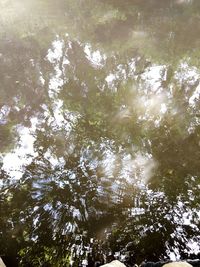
99,131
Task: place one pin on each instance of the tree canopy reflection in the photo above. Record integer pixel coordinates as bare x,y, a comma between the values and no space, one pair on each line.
99,141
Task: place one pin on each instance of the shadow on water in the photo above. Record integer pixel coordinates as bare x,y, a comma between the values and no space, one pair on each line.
99,132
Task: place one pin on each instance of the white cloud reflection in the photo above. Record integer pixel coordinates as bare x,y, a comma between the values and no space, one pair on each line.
22,155
96,58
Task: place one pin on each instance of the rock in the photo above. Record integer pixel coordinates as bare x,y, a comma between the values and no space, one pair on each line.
2,263
177,264
118,264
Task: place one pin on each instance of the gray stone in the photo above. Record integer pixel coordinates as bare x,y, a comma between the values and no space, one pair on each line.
114,264
177,264
2,263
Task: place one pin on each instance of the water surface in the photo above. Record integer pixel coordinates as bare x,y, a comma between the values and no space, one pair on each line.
99,131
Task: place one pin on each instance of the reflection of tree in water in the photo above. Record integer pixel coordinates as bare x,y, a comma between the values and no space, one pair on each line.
114,165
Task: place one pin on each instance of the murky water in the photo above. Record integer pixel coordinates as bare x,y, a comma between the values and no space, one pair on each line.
99,131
